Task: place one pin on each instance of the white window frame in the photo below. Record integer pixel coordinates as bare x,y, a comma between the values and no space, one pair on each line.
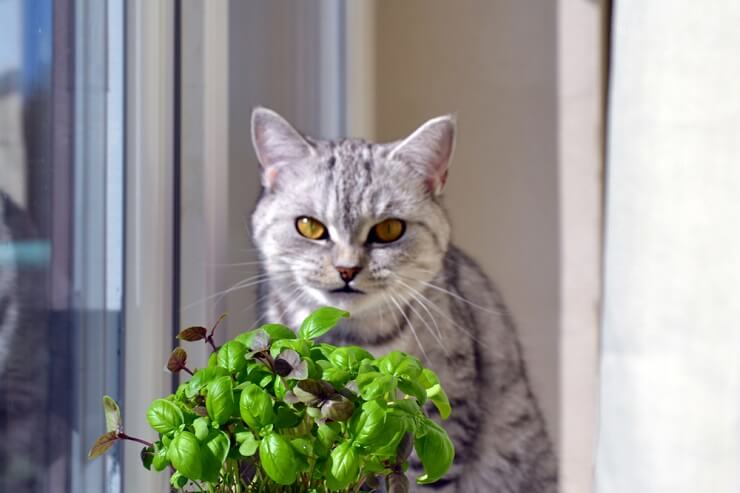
149,223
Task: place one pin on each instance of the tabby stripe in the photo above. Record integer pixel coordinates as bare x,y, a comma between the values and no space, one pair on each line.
4,308
434,235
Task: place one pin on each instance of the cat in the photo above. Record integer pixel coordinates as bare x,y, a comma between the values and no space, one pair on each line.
23,358
360,226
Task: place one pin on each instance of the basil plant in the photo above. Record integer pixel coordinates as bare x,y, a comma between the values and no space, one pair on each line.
279,412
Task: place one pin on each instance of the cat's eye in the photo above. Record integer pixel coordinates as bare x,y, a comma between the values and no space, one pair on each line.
387,231
311,228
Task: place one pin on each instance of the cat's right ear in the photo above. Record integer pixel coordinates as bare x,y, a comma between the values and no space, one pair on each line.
276,143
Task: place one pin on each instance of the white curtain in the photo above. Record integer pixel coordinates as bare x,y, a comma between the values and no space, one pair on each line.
670,395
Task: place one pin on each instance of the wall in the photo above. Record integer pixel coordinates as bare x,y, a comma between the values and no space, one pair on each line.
494,65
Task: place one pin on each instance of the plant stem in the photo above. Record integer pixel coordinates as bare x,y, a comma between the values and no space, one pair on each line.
188,370
359,485
124,436
209,337
209,340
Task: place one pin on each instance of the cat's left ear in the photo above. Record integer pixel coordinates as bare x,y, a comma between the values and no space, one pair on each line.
429,149
277,143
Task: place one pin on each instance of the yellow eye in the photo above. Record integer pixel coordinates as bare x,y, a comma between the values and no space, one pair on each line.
311,228
387,231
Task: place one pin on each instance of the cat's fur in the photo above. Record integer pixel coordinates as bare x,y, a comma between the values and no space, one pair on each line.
422,295
23,358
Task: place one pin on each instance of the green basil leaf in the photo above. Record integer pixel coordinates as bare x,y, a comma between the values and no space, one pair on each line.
302,428
231,356
337,376
200,425
300,346
320,322
436,452
178,480
409,406
303,446
440,400
349,357
367,426
375,384
160,460
213,454
147,454
255,406
185,454
430,381
112,414
279,389
322,351
220,400
410,387
344,466
400,365
164,416
180,392
397,423
202,377
327,434
278,332
285,417
278,459
249,445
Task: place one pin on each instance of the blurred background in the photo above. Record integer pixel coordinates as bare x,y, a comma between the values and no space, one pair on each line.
594,179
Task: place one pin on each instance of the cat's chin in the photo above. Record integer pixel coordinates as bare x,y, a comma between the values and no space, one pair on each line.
355,302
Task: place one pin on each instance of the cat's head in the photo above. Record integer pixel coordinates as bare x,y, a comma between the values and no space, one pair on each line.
350,223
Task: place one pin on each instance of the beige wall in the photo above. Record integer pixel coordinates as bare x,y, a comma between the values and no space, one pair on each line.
494,64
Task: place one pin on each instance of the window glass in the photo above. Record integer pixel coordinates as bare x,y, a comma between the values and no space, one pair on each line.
60,205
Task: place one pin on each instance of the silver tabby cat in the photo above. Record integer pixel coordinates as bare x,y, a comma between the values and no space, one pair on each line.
360,226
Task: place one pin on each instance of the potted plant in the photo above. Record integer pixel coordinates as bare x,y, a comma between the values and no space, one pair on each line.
276,411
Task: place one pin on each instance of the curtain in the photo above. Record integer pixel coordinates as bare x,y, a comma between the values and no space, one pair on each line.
670,395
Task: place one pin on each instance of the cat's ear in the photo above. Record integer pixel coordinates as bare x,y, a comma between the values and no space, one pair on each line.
276,143
430,149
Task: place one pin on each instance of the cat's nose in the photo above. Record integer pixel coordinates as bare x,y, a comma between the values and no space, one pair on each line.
348,273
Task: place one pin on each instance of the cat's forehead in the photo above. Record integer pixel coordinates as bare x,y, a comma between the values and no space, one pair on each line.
354,183
351,151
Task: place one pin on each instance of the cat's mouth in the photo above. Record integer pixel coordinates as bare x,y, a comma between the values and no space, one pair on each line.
347,289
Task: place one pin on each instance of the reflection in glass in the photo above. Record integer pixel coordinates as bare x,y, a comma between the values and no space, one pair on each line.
59,311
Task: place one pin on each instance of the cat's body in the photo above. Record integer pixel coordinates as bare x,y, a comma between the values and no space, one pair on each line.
23,357
416,293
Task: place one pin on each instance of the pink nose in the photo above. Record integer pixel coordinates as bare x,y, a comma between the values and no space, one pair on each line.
348,273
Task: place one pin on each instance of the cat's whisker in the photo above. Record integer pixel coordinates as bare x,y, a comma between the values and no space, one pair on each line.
239,264
245,283
431,331
290,295
411,326
441,312
453,294
414,295
298,299
258,300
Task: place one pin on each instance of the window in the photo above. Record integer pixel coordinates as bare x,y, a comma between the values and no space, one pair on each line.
61,226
